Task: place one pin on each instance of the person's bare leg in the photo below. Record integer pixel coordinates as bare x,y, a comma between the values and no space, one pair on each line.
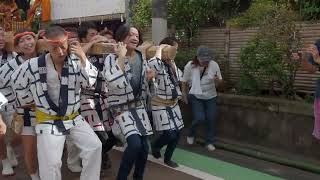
16,140
3,151
30,154
12,141
7,169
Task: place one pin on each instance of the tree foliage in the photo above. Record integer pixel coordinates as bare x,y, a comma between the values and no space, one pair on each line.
254,16
308,9
189,15
260,9
142,14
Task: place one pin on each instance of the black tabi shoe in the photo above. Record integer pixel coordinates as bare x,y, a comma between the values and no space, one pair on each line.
155,152
171,164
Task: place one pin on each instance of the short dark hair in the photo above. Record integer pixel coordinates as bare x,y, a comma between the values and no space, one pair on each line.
123,31
54,31
83,29
106,32
170,41
71,29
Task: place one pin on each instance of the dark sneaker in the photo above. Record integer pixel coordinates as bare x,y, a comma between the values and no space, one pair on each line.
156,153
171,164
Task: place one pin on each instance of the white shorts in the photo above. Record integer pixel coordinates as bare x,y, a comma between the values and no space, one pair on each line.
28,131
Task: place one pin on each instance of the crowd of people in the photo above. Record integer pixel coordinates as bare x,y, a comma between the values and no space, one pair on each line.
92,102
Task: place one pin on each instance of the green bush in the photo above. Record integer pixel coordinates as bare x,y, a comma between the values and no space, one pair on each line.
184,56
266,60
248,85
261,60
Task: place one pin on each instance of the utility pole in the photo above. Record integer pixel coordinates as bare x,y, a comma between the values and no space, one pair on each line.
159,20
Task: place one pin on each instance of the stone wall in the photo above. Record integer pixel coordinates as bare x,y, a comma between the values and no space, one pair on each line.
267,124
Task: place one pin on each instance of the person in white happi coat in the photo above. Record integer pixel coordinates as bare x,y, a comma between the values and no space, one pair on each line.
126,76
93,107
7,115
25,44
54,81
164,103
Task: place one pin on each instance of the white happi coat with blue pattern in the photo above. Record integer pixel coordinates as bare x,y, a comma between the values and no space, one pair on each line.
120,93
166,117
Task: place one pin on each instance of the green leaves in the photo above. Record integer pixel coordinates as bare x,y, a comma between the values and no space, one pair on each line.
189,15
310,10
142,14
184,56
254,15
266,60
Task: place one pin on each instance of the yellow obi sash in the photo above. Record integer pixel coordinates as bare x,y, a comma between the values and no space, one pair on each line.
42,117
156,101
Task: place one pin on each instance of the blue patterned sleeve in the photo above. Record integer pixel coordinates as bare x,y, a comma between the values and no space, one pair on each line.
114,76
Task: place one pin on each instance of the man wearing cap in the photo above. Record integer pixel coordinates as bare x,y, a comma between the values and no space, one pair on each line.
200,79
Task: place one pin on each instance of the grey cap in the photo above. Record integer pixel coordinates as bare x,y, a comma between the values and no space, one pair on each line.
204,53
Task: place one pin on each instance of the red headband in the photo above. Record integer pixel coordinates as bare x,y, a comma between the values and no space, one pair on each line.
19,35
56,42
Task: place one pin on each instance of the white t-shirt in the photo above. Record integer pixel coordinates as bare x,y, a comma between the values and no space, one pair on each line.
53,81
207,84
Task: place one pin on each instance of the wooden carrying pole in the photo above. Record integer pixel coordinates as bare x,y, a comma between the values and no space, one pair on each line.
96,49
